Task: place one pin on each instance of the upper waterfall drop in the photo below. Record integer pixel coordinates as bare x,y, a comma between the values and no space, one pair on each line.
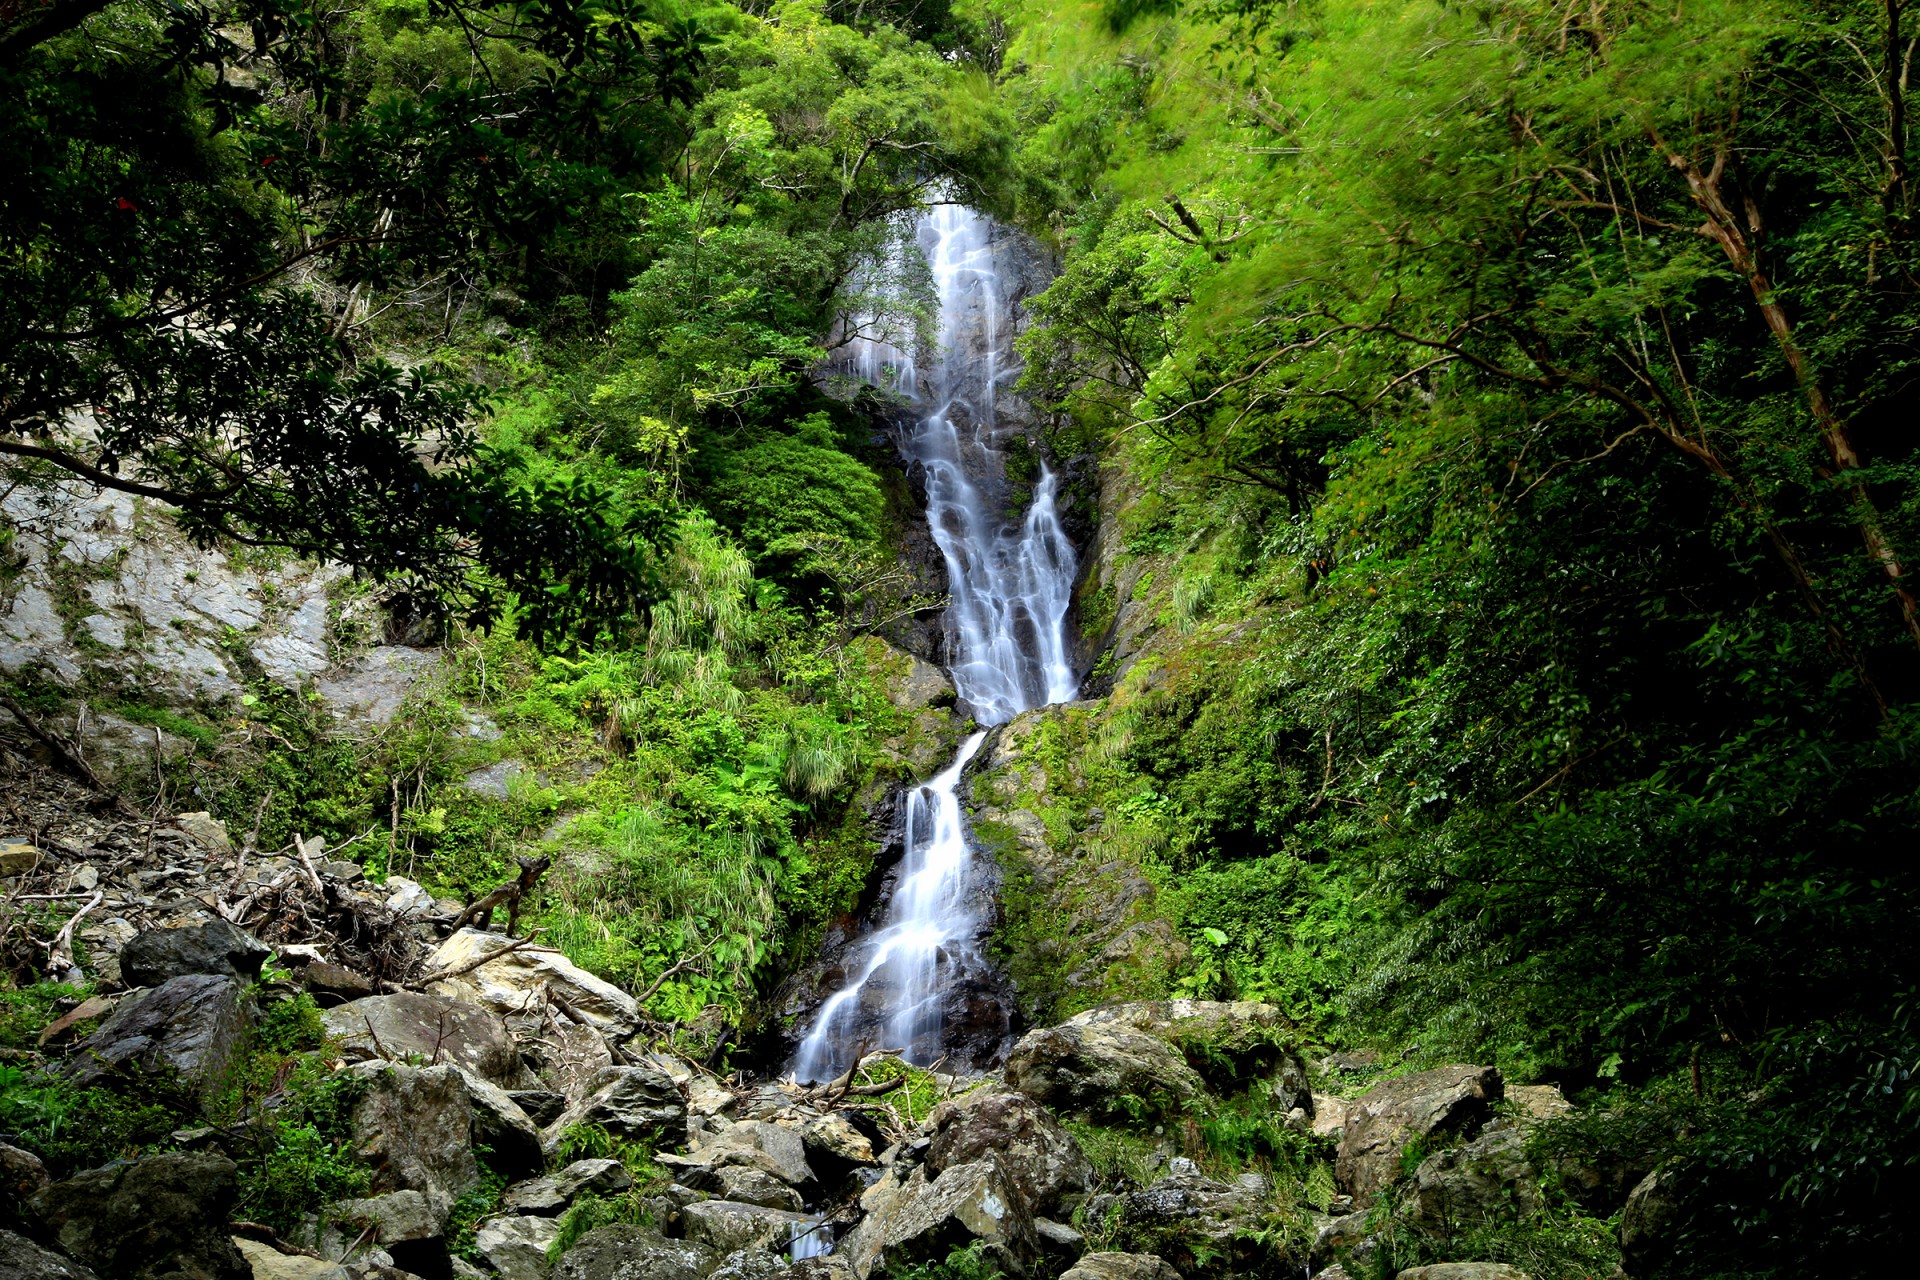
1009,582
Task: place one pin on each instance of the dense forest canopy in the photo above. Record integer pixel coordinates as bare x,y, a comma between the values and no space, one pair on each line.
1526,388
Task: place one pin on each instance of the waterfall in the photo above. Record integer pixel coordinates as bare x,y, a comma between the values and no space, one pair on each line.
1009,583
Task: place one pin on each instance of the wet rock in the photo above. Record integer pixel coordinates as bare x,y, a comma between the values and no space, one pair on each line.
1042,1157
269,1263
917,1220
1120,1266
1383,1120
624,1252
414,1127
550,1194
1485,1180
431,1028
22,1259
516,1247
1205,1228
726,1226
156,955
629,1102
190,1026
1464,1271
161,1216
754,1186
516,981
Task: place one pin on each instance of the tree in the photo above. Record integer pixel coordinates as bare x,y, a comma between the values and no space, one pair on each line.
206,202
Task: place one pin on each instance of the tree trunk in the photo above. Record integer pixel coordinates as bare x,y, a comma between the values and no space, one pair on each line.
1725,229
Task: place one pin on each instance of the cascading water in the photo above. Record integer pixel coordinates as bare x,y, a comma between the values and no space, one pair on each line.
1009,583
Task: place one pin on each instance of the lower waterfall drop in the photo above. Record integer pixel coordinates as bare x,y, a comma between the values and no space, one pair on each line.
1009,583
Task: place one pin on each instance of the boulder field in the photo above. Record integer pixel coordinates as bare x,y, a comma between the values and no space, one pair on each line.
514,1116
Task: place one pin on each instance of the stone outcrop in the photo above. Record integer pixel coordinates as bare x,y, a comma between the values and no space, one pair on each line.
1205,1228
911,1217
1382,1121
1464,1271
22,1259
1485,1180
1120,1266
634,1253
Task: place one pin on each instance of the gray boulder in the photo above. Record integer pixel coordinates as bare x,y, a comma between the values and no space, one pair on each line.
504,1129
552,1193
1100,1068
270,1264
159,1218
629,1102
414,1127
752,1264
837,1139
1464,1271
225,950
1121,1266
624,1252
190,1027
1205,1228
407,1025
516,1247
756,1186
1649,1222
402,1225
1449,1101
1486,1180
726,1226
1042,1158
22,1259
917,1219
771,1148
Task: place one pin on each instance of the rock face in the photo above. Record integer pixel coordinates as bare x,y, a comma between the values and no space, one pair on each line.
191,1026
157,955
634,1253
629,1102
161,1217
1044,1161
1382,1121
414,1127
22,1259
431,1028
517,981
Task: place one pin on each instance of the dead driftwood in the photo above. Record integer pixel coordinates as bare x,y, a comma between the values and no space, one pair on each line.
480,911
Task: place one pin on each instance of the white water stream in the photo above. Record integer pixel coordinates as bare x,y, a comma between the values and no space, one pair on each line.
1009,583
